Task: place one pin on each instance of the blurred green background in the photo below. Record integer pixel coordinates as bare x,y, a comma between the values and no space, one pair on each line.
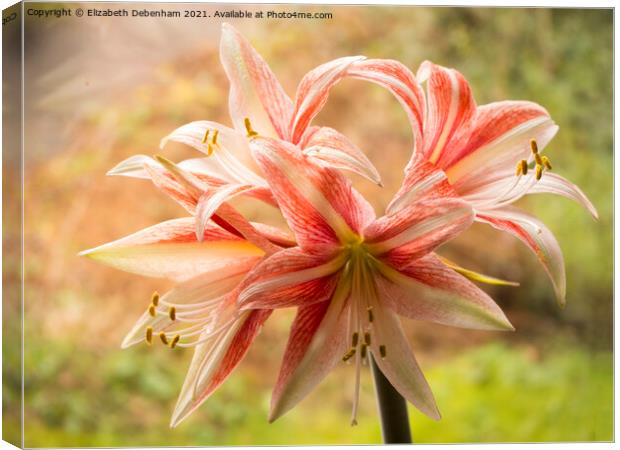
551,380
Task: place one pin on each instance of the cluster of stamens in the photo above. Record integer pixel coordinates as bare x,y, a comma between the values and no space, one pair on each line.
362,346
542,163
212,144
172,312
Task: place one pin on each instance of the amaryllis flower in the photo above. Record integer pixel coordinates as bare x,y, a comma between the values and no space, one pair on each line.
200,312
491,155
351,275
258,104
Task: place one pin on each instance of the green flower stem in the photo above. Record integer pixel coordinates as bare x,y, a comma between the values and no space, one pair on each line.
392,408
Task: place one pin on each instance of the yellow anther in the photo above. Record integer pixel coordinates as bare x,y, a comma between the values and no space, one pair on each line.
206,138
539,171
546,163
522,167
248,127
355,339
163,338
149,335
152,311
364,351
155,298
534,146
175,341
538,159
215,134
382,351
348,355
367,338
172,313
210,150
371,316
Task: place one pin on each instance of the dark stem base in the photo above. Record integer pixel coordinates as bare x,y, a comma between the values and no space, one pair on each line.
392,408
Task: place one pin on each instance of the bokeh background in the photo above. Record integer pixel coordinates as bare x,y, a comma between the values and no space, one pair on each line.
99,90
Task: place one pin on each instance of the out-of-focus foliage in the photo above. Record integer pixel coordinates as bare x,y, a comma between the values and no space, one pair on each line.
551,380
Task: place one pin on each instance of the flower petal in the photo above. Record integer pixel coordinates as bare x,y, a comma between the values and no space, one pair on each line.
329,147
255,93
537,237
399,365
214,360
494,120
497,159
399,80
313,91
428,290
319,204
552,183
170,250
212,200
289,278
451,108
417,229
316,343
422,180
228,159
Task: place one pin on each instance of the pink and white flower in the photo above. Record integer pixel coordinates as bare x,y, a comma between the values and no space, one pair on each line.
491,155
352,274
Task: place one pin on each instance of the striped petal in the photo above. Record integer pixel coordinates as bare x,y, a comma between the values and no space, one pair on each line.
214,360
552,183
428,290
422,180
317,341
399,80
328,147
492,121
399,365
497,159
313,91
211,201
538,239
290,277
418,229
318,203
255,93
170,250
451,108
